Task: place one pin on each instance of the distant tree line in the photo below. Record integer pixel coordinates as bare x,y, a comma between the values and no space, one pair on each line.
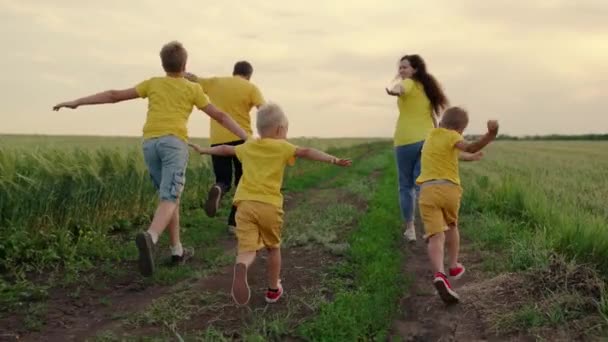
587,137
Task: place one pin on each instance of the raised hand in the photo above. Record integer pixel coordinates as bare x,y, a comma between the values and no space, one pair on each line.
493,126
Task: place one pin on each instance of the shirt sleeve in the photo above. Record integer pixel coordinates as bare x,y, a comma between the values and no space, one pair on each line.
200,98
142,89
256,97
238,151
407,85
289,153
454,138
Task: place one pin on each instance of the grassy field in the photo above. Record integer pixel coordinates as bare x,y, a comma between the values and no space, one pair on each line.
533,219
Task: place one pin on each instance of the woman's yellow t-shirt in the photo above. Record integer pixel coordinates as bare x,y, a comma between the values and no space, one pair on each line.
415,121
170,103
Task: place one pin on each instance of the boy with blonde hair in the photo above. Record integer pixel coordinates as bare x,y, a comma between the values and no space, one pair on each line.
170,102
440,193
259,218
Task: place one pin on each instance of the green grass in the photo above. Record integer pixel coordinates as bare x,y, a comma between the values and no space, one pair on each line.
530,201
367,301
66,209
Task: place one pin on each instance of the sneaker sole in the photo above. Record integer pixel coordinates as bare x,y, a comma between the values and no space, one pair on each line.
446,294
213,200
146,262
458,276
240,288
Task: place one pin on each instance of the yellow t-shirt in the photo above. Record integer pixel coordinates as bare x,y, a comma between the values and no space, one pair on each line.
170,102
440,157
415,119
264,162
235,96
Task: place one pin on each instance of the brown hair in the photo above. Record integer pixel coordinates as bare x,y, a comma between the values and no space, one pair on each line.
432,88
243,68
173,56
455,118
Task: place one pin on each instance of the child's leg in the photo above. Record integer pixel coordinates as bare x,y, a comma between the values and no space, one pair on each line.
248,238
166,158
274,267
174,238
163,215
436,252
452,238
453,195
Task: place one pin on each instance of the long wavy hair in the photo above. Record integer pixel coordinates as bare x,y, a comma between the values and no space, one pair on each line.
432,88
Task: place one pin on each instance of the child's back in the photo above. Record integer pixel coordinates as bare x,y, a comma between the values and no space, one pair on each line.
264,162
170,103
440,156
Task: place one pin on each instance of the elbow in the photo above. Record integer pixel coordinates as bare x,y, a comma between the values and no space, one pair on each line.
303,152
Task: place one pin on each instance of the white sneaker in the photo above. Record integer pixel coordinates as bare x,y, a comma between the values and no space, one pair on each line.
410,234
231,229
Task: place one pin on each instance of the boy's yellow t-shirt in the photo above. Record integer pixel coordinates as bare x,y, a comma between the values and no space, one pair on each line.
264,162
415,119
170,102
235,96
440,157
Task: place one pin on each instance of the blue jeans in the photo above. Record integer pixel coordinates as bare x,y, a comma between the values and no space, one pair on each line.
167,158
408,168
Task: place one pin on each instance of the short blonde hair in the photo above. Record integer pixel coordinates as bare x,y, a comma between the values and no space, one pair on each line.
270,116
455,118
173,56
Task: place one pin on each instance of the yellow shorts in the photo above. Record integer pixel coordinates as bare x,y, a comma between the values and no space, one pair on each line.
258,225
439,205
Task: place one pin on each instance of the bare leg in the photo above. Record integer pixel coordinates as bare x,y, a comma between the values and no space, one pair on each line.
174,227
274,267
436,251
452,239
162,217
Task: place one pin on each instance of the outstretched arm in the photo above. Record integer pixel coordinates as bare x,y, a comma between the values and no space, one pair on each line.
481,143
225,120
466,156
108,96
316,155
221,150
397,89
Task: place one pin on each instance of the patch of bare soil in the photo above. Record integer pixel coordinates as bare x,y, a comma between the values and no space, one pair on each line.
556,304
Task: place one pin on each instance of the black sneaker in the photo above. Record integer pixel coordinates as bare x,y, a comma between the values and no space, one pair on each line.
213,200
177,260
144,244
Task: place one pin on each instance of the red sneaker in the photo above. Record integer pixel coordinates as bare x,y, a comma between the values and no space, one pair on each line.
445,289
456,272
274,296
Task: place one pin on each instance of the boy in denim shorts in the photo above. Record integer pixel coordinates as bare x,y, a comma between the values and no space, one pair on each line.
440,193
259,217
170,102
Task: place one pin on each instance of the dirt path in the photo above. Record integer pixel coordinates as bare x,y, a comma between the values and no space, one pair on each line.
423,316
107,306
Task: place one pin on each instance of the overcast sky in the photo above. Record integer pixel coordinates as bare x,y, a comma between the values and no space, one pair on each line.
537,66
